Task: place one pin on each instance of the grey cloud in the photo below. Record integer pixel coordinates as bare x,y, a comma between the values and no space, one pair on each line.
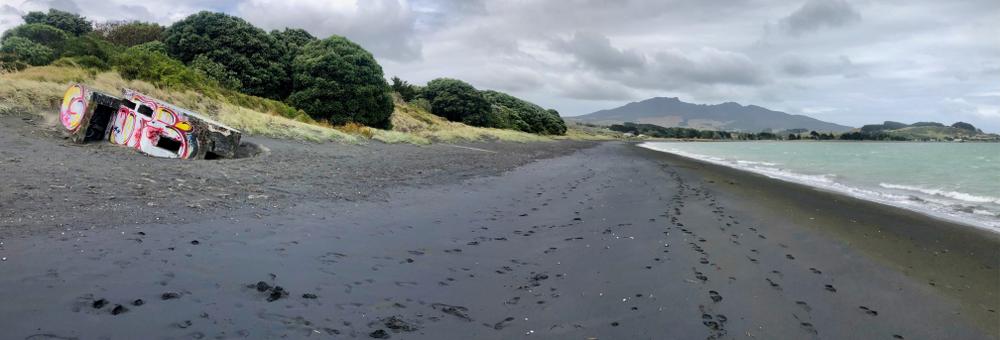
710,66
434,14
9,10
511,79
63,5
799,66
595,51
384,27
816,14
591,89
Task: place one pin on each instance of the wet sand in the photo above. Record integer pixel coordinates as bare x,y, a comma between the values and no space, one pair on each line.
608,242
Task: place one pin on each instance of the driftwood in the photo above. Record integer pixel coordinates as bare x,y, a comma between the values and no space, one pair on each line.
144,123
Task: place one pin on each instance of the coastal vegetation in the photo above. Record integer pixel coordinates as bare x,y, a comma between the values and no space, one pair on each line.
889,131
330,84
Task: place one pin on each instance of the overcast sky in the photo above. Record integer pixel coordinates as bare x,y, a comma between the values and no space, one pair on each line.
850,62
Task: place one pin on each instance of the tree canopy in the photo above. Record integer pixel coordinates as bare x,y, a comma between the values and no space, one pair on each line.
49,36
515,113
455,100
337,80
130,33
71,23
247,51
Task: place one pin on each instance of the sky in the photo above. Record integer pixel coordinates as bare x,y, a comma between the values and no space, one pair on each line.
850,62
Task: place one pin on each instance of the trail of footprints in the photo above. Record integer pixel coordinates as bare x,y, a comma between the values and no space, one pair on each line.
714,322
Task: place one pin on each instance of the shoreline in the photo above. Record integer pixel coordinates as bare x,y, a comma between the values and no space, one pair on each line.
845,190
947,255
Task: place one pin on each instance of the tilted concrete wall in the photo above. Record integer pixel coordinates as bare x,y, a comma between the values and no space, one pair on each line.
144,123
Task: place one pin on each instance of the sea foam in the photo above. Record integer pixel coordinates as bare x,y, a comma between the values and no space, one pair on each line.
949,205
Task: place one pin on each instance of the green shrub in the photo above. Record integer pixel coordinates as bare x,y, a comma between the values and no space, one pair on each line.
247,51
422,103
159,69
89,45
49,36
406,90
21,49
291,41
214,70
338,81
455,100
87,61
130,33
69,22
152,46
10,64
514,113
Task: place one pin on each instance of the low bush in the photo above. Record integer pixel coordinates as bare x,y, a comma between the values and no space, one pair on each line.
160,70
21,50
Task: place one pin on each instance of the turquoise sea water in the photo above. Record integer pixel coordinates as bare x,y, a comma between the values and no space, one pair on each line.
955,181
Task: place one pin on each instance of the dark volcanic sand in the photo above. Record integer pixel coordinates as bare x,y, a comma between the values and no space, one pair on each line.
610,242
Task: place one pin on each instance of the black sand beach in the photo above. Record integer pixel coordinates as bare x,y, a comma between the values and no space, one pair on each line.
486,241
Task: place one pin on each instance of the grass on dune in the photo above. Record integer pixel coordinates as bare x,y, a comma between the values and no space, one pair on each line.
39,90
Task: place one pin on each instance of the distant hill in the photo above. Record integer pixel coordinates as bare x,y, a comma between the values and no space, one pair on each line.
672,112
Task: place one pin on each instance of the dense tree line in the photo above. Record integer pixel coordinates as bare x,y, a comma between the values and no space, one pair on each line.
331,79
459,101
657,131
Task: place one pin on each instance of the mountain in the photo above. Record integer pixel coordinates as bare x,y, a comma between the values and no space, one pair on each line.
670,112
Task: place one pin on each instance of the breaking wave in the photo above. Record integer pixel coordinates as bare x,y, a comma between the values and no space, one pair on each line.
977,210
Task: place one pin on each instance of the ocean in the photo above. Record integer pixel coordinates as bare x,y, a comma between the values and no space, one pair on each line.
953,181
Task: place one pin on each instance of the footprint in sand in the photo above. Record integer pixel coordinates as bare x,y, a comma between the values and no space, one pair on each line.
789,256
868,311
831,288
815,271
714,295
804,305
808,327
698,275
773,284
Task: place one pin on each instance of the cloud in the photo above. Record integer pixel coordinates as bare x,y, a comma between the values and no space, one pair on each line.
659,69
384,27
594,51
817,14
592,89
799,66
